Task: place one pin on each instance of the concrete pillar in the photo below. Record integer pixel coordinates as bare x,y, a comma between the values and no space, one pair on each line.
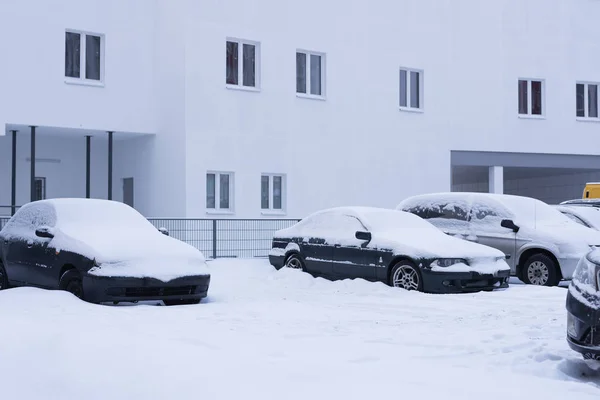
496,184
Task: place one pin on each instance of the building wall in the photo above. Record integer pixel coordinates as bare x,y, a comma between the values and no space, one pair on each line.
356,147
32,73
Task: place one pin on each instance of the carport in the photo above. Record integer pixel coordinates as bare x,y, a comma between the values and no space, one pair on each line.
551,178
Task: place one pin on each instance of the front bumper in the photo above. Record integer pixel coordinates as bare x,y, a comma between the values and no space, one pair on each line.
583,327
124,289
461,282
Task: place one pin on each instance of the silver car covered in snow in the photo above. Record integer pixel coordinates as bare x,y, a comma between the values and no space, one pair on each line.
542,245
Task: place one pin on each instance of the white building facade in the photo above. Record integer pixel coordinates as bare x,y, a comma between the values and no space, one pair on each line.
266,109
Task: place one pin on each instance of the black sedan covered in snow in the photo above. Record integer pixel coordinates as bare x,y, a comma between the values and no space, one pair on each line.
394,247
101,251
583,307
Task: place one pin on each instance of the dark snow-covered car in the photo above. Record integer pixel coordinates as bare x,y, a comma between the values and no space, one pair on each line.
542,246
394,247
101,251
583,307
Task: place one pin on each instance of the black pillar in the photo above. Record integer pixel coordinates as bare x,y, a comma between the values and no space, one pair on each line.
88,147
32,180
110,164
13,196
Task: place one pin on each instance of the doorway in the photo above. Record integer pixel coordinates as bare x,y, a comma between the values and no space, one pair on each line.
128,191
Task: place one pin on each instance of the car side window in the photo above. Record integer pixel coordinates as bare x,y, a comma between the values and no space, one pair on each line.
446,210
488,215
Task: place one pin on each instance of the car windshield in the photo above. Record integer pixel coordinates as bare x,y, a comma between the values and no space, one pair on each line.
533,212
389,220
591,215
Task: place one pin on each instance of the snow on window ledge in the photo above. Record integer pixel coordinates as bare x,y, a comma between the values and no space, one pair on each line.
84,82
587,119
411,109
310,96
219,212
243,88
531,116
273,212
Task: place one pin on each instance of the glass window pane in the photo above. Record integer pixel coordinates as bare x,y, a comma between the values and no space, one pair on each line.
92,57
231,63
249,65
315,74
277,192
224,191
580,99
210,190
72,54
264,192
300,73
523,107
536,97
403,89
593,101
415,90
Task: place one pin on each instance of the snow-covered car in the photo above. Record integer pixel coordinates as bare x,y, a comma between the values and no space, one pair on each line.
588,216
583,307
542,246
101,251
394,247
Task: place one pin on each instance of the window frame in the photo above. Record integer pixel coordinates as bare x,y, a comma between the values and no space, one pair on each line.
41,179
408,107
586,109
270,209
217,209
83,80
529,114
308,95
257,65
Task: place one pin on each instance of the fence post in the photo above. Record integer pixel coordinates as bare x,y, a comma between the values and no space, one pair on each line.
214,241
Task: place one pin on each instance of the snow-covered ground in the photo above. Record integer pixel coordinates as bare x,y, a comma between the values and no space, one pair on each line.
263,334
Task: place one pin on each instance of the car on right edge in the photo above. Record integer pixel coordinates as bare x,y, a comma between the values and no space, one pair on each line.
542,246
583,307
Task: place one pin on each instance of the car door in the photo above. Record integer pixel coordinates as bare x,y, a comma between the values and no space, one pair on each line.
485,227
14,251
317,254
40,263
351,255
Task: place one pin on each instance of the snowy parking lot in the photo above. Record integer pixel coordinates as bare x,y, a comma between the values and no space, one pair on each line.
266,334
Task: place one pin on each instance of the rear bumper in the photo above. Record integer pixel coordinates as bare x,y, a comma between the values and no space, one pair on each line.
121,289
461,282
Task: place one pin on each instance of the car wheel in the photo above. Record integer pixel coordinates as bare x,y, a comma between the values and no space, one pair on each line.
405,275
180,302
72,283
3,277
294,262
540,270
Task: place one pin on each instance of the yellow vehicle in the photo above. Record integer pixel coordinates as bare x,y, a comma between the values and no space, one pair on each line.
592,190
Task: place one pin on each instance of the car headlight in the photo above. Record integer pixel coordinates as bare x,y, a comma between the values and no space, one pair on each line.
448,262
587,273
572,326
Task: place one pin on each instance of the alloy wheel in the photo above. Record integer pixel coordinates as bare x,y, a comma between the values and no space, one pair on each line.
406,277
538,273
294,263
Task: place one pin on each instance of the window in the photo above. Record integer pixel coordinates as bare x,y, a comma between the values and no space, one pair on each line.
586,100
241,63
271,192
83,56
40,188
411,89
531,97
310,73
219,188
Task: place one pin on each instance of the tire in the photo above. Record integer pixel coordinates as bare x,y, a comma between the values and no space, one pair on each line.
3,277
180,302
540,270
294,262
72,283
405,275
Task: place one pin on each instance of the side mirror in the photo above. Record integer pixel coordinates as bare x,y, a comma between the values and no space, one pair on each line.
360,235
44,232
164,231
509,224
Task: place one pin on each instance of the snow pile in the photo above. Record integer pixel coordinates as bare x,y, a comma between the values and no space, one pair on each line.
117,237
284,335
